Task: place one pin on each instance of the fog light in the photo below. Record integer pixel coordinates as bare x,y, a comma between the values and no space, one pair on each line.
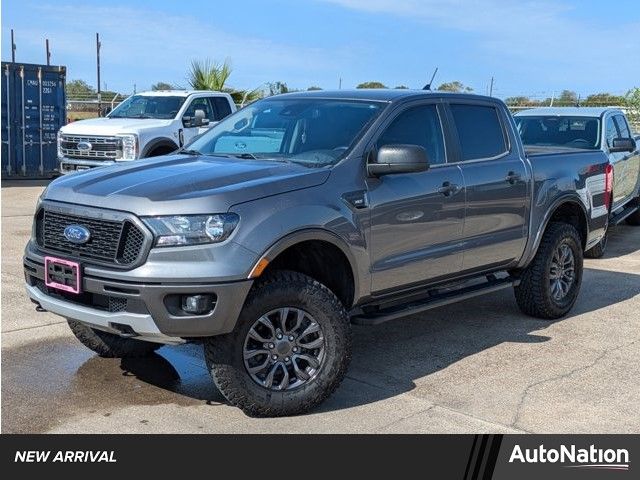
197,304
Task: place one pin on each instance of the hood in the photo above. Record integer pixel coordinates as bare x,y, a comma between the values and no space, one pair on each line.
182,184
112,126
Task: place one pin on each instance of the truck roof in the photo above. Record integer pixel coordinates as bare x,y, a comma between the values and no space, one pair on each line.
567,111
381,94
177,93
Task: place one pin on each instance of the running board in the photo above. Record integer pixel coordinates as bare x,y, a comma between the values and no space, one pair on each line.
435,300
620,217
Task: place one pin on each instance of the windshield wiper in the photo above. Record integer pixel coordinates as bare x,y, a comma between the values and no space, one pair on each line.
190,152
245,155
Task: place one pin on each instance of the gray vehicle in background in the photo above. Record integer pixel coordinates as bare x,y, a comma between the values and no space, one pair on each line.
590,128
269,235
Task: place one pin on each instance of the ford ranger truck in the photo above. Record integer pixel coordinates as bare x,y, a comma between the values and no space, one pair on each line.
300,214
146,124
591,128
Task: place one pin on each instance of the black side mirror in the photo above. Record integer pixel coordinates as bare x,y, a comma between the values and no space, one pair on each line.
398,159
186,121
623,145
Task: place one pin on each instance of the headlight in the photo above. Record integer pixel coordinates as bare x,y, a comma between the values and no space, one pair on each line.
191,229
128,148
59,144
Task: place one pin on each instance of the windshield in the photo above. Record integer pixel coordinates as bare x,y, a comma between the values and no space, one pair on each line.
148,106
313,132
556,131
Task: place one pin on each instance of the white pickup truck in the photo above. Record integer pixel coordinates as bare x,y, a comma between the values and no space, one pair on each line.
146,124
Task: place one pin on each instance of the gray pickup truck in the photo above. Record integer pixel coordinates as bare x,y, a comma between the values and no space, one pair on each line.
591,128
292,218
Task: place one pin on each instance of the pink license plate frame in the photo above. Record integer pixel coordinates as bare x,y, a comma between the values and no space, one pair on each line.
67,264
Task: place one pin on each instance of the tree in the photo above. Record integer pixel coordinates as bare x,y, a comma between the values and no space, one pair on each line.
276,88
208,75
79,88
604,99
162,86
518,101
632,102
312,88
401,87
454,86
372,85
567,97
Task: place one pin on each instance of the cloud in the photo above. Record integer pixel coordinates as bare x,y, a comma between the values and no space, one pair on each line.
540,36
154,45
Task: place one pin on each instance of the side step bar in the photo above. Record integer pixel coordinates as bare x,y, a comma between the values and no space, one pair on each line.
434,300
620,217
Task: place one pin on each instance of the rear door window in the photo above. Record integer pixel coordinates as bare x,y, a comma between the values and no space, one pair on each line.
479,130
222,107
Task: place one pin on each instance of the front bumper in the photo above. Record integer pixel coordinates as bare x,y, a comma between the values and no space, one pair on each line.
147,311
70,165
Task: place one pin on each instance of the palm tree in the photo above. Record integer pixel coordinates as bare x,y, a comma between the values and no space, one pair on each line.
209,75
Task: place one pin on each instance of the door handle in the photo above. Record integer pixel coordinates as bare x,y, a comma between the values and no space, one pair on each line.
448,189
512,178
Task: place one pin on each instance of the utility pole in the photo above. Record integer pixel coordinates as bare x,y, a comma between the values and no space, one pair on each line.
46,42
13,48
491,88
98,70
134,88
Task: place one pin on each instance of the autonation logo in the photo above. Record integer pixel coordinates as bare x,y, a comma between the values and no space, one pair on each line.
574,457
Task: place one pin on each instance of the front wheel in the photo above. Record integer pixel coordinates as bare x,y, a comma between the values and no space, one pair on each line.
289,351
549,286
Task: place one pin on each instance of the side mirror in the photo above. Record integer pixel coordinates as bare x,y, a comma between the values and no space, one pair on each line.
198,120
623,145
398,159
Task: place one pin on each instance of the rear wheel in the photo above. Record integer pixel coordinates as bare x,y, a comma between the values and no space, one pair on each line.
289,351
549,286
109,345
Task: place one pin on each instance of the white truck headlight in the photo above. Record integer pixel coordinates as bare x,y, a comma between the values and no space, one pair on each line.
128,148
179,230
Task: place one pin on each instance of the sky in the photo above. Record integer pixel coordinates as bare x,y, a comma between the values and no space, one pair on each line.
532,48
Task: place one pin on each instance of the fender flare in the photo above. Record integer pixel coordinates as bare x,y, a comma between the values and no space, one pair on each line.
558,202
317,234
158,142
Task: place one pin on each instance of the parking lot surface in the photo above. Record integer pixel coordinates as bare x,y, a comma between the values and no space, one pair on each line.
475,366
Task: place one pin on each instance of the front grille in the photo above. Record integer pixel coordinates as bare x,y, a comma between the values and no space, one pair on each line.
111,242
102,148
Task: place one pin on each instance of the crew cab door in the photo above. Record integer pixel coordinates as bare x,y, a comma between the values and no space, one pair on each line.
416,218
626,165
497,184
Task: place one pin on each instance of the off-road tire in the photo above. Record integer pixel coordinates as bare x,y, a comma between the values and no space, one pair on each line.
598,250
533,294
109,345
224,353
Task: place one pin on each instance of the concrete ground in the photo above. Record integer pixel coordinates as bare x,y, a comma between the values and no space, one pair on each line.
476,366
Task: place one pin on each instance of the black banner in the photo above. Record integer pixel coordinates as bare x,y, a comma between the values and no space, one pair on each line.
467,457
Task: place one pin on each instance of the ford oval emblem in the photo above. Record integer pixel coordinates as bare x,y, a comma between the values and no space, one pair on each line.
84,146
241,145
77,234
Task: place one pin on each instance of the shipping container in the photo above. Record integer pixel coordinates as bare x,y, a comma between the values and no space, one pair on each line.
33,110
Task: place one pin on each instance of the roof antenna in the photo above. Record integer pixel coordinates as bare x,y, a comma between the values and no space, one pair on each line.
428,85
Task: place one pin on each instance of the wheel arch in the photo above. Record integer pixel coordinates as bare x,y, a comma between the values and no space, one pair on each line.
156,143
304,251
